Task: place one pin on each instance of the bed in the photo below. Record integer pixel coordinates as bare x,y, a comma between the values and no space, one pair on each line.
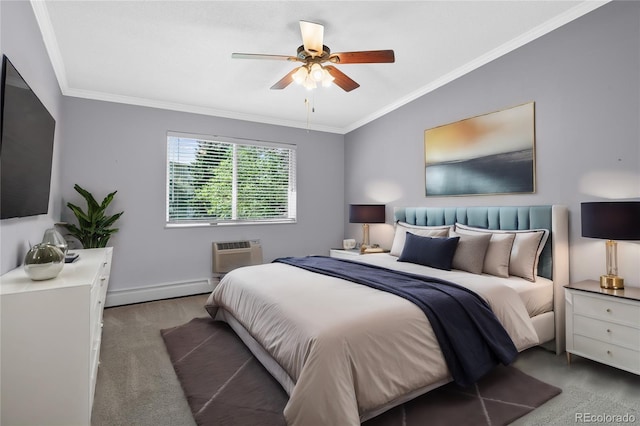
346,352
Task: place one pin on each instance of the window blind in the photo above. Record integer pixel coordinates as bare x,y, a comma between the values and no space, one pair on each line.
226,180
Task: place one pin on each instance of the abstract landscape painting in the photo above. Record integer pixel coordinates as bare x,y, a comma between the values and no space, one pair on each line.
489,154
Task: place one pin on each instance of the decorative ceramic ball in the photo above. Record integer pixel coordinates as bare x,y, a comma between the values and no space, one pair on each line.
43,262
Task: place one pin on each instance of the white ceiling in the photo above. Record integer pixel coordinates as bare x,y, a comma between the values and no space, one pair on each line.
177,54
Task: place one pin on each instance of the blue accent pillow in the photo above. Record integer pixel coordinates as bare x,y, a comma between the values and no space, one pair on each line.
434,252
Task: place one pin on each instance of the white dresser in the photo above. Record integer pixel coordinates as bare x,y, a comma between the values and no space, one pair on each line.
50,334
604,325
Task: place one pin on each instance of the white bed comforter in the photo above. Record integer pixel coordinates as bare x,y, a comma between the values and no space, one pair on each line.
348,348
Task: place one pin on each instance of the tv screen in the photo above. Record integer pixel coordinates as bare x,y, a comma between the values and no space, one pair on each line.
26,148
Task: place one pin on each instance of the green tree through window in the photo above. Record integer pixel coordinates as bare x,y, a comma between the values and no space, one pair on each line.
224,180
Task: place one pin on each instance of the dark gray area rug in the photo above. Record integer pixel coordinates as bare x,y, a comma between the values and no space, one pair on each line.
225,385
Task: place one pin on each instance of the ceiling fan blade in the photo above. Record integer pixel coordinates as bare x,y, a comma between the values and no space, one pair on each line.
284,81
260,56
364,57
341,79
312,37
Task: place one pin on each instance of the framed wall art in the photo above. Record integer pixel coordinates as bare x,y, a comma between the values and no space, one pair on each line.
492,153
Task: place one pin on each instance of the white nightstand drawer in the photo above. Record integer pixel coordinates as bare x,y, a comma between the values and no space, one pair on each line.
617,356
607,332
607,308
345,254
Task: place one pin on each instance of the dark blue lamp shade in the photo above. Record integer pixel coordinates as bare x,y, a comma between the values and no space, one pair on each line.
366,214
611,220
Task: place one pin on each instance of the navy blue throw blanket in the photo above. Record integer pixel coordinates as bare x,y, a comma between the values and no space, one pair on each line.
471,338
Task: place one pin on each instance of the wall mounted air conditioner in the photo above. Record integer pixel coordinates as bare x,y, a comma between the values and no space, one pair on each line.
229,255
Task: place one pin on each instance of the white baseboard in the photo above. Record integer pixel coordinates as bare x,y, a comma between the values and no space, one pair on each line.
159,291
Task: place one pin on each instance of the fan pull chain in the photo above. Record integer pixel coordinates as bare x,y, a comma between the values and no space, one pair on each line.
310,108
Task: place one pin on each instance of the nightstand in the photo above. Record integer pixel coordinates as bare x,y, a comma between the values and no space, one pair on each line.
604,325
344,254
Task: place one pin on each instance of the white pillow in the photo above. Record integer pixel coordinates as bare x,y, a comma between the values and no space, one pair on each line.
524,253
424,231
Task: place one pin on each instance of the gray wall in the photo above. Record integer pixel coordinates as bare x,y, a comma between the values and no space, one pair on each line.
21,42
584,79
109,146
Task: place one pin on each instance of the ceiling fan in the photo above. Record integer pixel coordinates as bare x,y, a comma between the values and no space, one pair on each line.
314,55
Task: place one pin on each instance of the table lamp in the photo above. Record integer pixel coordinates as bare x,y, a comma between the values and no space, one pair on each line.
611,220
366,214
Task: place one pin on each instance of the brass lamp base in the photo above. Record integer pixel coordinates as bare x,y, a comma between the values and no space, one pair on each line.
611,282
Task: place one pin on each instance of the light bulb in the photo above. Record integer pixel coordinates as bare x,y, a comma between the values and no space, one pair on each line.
309,83
327,78
300,75
317,72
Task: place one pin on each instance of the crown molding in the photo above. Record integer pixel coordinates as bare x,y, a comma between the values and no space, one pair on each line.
44,22
50,42
537,32
174,106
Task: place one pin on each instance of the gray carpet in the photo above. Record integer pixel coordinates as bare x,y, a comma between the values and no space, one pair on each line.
563,409
225,385
138,386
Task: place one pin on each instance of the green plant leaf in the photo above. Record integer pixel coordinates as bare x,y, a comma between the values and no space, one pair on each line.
107,200
91,202
110,220
93,225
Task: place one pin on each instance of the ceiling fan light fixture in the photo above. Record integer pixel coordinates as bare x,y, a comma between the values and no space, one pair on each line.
327,78
300,75
309,83
317,72
317,60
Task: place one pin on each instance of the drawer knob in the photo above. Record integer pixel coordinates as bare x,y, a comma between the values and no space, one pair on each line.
609,353
609,310
608,331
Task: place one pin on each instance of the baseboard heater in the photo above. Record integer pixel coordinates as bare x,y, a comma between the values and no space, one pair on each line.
229,255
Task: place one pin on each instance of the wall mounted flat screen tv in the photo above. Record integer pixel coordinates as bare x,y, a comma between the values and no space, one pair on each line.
26,148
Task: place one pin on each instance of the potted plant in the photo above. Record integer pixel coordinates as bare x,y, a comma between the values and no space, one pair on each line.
94,227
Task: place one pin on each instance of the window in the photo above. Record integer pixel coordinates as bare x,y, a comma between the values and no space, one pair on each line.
215,180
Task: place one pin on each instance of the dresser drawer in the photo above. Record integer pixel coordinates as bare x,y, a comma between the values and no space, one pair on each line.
606,353
607,332
608,309
98,296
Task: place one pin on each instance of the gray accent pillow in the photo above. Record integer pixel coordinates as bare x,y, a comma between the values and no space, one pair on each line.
496,260
424,231
527,245
470,252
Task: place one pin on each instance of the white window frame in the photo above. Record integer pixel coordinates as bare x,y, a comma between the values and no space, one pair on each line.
292,193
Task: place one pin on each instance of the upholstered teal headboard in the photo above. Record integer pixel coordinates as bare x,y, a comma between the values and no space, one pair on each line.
554,259
505,218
